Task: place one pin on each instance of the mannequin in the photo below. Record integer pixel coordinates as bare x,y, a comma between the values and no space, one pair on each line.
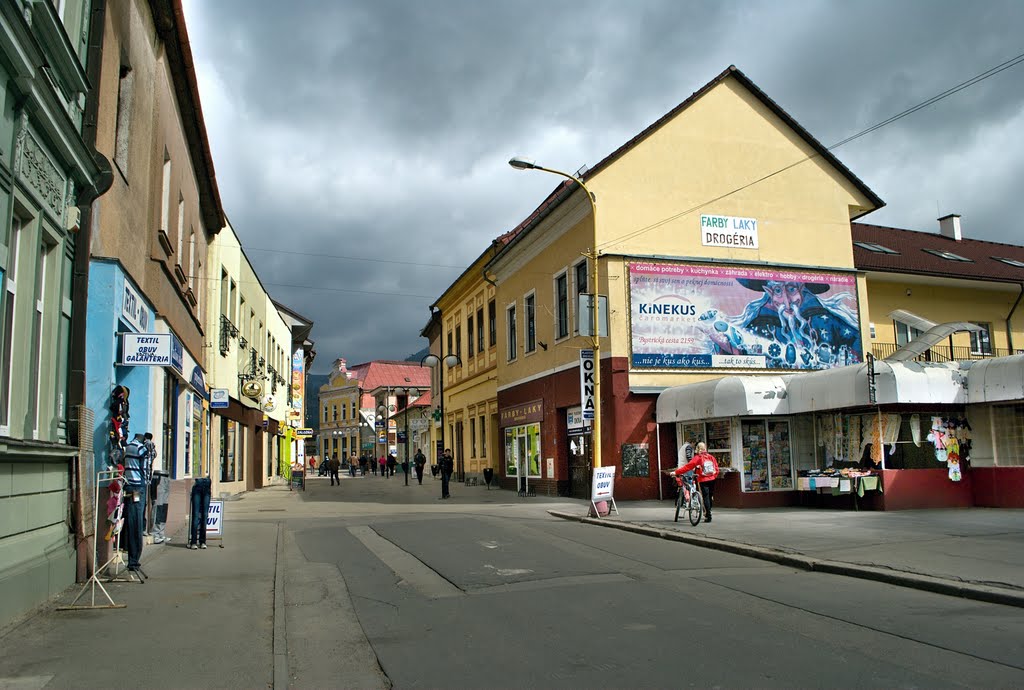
162,480
200,509
136,477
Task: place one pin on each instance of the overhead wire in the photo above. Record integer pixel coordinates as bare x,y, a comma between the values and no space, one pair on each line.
982,76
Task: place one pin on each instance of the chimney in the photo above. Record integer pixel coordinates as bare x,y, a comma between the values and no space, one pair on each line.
949,226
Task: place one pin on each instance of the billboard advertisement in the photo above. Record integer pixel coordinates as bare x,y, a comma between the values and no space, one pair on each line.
685,316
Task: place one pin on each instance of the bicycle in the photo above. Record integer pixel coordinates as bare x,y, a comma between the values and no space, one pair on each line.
689,497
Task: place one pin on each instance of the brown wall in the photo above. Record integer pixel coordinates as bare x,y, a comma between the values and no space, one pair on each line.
129,215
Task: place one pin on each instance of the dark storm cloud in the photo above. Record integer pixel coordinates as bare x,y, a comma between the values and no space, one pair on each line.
380,129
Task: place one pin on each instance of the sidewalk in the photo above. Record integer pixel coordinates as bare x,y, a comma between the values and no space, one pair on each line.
975,553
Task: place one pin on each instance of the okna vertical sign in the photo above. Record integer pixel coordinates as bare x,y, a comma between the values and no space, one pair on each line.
587,385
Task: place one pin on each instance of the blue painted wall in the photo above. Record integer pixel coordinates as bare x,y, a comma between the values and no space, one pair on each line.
103,323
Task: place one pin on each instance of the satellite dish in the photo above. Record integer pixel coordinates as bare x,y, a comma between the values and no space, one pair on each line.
252,389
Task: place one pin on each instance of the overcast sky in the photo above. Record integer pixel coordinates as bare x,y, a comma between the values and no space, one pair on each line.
361,147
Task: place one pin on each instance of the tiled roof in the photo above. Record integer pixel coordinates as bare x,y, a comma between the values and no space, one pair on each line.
379,373
912,257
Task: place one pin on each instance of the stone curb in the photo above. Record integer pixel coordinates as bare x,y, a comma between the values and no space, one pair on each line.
965,590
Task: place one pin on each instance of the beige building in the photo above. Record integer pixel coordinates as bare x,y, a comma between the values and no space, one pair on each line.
698,217
248,364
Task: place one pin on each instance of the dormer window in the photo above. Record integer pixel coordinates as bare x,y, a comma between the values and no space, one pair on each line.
948,256
877,248
1010,262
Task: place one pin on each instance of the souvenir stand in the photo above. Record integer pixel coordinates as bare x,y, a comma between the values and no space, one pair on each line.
113,479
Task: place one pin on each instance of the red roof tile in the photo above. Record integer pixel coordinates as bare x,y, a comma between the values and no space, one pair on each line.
378,373
912,257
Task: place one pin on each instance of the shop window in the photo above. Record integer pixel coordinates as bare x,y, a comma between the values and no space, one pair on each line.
227,449
522,451
981,342
562,305
1009,442
636,460
767,457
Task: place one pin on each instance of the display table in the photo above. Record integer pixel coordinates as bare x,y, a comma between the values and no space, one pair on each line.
854,484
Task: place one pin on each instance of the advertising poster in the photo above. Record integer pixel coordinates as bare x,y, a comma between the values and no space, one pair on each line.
685,316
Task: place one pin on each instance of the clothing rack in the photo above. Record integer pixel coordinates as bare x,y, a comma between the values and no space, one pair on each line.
103,478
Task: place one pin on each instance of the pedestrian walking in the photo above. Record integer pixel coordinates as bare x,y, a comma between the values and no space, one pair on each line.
447,469
381,462
352,465
333,466
362,464
391,464
420,461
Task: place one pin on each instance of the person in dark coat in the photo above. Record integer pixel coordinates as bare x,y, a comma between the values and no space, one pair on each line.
333,466
391,464
420,461
447,469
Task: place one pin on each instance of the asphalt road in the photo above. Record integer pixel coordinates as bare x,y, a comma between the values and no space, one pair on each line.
494,593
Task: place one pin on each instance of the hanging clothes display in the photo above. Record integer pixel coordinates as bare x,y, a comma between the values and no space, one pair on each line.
951,437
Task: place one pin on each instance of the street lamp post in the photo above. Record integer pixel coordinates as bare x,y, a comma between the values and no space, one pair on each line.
527,164
432,360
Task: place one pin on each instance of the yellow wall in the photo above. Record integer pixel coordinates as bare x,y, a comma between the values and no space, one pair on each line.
943,300
470,390
649,203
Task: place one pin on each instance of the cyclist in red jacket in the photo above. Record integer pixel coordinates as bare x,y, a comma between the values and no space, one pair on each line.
706,467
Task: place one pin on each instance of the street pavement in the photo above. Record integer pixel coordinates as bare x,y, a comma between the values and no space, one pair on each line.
251,611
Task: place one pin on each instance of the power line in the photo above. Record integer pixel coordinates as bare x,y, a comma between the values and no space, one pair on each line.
991,72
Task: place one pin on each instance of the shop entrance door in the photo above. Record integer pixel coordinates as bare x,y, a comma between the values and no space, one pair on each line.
580,467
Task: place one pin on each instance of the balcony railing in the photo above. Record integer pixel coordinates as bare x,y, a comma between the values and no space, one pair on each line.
944,353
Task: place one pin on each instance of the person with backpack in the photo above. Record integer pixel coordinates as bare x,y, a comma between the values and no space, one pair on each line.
706,467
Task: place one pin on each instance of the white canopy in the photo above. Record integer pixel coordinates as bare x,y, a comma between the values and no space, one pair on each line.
830,389
995,380
731,396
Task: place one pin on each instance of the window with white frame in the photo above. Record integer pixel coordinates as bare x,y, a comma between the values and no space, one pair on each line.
192,259
10,297
165,195
981,341
530,306
562,305
38,317
181,228
580,273
122,133
513,345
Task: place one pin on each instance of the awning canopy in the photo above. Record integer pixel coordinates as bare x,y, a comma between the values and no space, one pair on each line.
830,389
731,396
996,380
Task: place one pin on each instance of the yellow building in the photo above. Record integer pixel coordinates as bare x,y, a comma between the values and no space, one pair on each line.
341,425
699,218
463,338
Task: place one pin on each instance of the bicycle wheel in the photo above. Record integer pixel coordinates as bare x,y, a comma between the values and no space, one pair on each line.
696,508
679,502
